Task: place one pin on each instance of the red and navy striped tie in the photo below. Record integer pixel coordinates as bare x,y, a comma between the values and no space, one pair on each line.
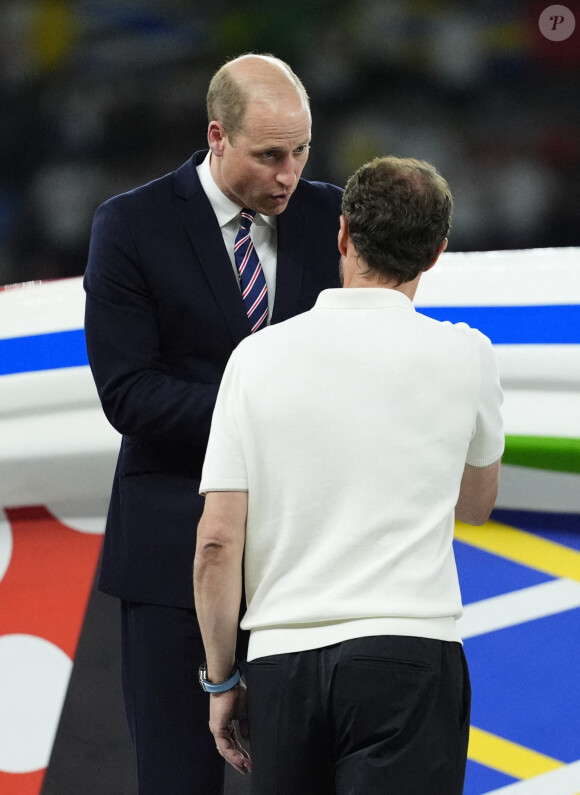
252,279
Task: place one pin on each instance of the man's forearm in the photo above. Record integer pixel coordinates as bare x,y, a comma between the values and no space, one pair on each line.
218,590
217,580
478,493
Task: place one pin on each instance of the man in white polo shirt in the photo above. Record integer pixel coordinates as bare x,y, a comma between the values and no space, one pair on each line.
343,444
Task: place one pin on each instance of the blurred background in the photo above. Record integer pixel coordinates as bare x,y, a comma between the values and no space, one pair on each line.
98,96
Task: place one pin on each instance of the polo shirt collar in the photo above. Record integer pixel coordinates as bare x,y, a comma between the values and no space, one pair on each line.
363,298
225,209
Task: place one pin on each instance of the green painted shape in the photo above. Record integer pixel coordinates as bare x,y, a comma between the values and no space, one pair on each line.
543,452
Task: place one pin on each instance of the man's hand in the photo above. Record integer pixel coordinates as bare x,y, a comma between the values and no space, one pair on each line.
224,709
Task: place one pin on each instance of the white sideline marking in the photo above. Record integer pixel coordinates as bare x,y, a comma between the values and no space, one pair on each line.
563,781
516,607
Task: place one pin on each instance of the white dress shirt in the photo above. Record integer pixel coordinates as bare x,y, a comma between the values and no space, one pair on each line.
263,229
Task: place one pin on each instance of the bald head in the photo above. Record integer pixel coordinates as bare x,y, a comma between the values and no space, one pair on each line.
263,75
250,79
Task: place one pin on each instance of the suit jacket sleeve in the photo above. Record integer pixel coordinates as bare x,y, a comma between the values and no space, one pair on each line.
139,394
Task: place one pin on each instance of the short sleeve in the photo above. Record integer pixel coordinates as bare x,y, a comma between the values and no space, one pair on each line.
224,467
488,442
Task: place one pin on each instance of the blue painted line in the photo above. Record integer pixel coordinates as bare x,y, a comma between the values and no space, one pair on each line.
501,575
525,683
504,325
516,325
43,352
481,780
524,677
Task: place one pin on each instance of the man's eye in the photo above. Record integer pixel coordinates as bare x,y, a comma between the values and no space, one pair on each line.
300,150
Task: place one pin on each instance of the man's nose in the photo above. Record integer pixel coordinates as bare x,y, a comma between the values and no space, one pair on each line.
286,175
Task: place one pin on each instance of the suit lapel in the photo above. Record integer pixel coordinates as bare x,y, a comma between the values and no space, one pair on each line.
206,238
291,250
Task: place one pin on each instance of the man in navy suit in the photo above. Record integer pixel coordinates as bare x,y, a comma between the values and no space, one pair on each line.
164,311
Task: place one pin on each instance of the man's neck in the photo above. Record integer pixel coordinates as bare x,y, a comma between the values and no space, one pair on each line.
407,288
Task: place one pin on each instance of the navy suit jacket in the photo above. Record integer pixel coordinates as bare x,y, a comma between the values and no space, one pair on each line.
163,314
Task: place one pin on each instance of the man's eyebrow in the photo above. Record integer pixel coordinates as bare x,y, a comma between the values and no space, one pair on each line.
269,149
276,148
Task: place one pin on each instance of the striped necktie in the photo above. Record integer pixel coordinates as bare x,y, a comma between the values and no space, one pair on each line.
252,279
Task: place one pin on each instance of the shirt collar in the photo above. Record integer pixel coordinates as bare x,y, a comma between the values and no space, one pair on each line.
225,209
363,298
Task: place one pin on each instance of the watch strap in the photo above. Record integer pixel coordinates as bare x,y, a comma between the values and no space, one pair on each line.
219,687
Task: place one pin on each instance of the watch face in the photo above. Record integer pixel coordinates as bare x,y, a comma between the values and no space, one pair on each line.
202,675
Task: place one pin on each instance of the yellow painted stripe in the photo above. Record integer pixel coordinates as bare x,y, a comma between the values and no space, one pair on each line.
507,757
526,548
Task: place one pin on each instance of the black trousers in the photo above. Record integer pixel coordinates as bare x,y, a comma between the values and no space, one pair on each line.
167,710
384,715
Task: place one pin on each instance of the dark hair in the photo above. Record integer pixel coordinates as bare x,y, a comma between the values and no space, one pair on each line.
398,212
227,97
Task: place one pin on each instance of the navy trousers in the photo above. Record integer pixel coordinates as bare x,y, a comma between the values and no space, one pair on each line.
167,710
386,715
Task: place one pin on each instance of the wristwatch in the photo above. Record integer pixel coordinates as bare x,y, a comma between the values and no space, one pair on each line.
219,687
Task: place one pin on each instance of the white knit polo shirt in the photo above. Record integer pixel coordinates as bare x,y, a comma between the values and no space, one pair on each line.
350,426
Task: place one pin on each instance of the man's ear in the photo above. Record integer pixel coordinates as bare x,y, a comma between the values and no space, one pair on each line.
440,251
216,138
343,236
